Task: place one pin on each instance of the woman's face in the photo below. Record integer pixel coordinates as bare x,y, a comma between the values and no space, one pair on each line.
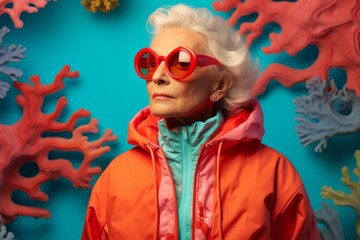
184,101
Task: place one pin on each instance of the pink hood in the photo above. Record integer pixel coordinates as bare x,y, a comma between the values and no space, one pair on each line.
245,126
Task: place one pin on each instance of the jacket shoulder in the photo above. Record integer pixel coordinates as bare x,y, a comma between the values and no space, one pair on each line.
261,167
131,158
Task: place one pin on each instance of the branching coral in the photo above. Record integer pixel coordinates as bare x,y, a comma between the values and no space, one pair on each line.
32,139
342,199
102,5
329,218
15,7
4,235
331,25
12,53
320,113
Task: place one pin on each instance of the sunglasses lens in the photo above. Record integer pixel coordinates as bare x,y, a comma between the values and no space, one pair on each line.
178,63
146,64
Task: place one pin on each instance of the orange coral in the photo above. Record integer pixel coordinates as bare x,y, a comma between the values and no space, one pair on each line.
15,7
24,142
332,25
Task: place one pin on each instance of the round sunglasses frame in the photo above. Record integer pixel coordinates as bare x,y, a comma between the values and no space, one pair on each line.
195,60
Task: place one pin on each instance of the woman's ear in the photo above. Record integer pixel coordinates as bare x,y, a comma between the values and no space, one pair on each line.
222,85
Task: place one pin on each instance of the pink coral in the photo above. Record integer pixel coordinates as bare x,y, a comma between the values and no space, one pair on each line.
15,7
332,25
24,142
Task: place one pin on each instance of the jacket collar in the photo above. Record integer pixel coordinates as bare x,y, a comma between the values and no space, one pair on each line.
247,125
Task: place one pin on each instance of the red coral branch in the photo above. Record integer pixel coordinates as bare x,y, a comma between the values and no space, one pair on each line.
332,25
23,142
15,7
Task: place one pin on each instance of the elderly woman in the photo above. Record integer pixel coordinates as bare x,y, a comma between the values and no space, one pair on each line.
199,170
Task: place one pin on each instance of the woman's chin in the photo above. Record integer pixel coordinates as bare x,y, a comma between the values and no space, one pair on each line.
162,109
162,113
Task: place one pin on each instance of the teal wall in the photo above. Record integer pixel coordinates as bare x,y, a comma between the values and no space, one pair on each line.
101,47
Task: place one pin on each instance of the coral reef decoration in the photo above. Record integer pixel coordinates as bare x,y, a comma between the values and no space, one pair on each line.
4,235
329,218
342,199
326,112
100,5
16,7
9,54
34,136
331,25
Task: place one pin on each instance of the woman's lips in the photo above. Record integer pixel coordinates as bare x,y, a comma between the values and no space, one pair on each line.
160,96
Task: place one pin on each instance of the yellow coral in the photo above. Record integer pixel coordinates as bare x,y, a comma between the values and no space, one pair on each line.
102,5
351,200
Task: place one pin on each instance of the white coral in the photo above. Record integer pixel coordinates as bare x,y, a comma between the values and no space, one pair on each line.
320,113
4,235
8,54
329,218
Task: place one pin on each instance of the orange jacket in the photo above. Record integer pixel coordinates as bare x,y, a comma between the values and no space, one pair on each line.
242,189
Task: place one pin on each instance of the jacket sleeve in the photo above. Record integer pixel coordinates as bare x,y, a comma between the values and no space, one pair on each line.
95,227
296,220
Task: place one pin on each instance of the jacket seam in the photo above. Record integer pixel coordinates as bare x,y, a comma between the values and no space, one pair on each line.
98,199
285,206
103,228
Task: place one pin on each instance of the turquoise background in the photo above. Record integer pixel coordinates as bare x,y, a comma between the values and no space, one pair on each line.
101,47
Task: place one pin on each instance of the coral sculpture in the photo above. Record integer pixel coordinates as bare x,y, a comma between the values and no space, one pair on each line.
102,5
15,7
329,218
24,142
4,235
352,199
9,54
331,25
323,113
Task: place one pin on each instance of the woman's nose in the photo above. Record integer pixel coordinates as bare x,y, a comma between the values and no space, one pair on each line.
160,76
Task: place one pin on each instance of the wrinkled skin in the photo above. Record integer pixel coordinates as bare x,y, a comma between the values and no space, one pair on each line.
182,102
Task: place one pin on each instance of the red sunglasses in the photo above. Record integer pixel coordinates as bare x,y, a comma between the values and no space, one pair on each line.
179,64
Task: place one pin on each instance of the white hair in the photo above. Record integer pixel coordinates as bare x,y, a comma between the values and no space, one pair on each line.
223,42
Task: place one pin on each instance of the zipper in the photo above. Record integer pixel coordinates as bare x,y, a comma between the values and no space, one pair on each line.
186,197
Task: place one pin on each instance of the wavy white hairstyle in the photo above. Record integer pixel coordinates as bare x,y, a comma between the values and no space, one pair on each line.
224,43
